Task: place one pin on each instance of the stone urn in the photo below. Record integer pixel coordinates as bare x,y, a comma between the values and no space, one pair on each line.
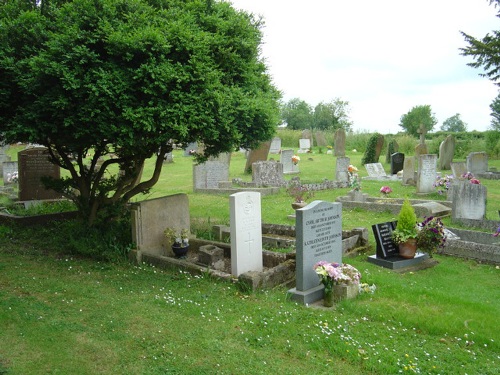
297,205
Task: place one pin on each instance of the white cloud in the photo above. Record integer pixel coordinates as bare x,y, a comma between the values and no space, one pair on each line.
383,57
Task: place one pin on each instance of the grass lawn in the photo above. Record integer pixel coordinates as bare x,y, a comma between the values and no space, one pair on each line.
63,314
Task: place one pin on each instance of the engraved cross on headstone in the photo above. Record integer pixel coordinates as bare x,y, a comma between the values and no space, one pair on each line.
249,243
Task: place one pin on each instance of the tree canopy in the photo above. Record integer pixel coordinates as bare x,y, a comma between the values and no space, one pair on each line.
418,115
124,81
454,124
297,114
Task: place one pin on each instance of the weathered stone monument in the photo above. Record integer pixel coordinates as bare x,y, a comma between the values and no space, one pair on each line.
379,146
320,139
409,171
275,147
469,201
339,142
458,169
208,175
421,148
426,173
151,217
259,154
267,173
341,173
3,157
289,167
246,232
33,164
446,151
477,162
318,237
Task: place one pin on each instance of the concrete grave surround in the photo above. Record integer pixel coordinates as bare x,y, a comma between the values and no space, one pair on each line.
267,173
458,168
258,154
151,217
339,142
446,152
477,162
397,162
342,164
246,232
9,167
318,229
409,171
275,147
208,175
427,173
286,160
304,145
469,201
33,164
375,170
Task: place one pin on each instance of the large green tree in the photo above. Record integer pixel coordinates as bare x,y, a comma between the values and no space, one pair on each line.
454,124
418,115
333,115
297,114
126,80
495,113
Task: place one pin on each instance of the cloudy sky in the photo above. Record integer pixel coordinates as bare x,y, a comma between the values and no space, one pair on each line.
383,57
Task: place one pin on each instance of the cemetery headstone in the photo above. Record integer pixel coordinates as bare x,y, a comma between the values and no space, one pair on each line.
307,134
246,232
304,145
191,149
318,237
339,142
3,157
386,248
286,159
392,147
267,173
151,217
375,170
446,151
409,171
421,148
397,162
259,154
169,157
275,147
426,173
9,169
208,175
379,146
469,201
341,173
458,168
320,139
33,164
477,162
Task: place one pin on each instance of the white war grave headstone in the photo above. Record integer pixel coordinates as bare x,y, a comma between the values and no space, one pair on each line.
304,145
318,237
246,232
427,173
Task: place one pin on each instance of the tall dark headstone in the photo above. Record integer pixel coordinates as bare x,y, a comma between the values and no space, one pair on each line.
397,162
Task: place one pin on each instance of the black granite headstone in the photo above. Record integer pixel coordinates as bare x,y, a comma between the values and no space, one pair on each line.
386,248
397,162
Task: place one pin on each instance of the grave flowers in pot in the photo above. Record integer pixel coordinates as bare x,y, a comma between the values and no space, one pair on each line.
340,281
300,193
179,240
405,234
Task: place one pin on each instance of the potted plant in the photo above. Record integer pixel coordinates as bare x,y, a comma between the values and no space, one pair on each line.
430,235
405,234
340,280
179,240
300,193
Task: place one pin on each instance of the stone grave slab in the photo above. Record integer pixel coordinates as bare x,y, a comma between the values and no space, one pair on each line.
458,168
427,173
286,159
33,164
339,142
259,154
246,232
435,208
477,162
341,173
320,139
275,147
397,162
469,201
446,152
409,171
318,229
304,145
208,175
267,173
375,170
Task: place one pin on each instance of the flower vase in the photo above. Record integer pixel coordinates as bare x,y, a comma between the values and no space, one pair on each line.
328,297
180,251
297,205
408,249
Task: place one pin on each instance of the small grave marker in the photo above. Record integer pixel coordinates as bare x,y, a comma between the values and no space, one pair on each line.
386,248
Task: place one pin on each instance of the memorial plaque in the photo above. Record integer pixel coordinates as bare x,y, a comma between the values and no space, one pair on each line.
386,247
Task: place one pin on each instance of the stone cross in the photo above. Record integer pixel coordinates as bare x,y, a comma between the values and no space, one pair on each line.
422,131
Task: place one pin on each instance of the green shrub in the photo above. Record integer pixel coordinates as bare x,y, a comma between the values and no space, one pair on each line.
370,152
392,147
492,143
